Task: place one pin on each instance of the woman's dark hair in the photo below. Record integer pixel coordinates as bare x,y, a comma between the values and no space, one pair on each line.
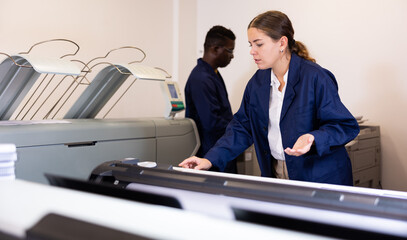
217,36
276,24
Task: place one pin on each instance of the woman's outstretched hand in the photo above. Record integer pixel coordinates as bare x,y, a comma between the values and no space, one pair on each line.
301,146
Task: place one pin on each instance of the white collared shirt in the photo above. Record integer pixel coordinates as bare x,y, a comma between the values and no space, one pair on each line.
275,106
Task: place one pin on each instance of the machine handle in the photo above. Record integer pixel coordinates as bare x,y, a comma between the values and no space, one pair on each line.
81,144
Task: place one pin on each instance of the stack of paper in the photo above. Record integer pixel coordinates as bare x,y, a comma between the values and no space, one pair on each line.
8,156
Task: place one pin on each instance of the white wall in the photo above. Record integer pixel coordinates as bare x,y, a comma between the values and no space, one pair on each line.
97,26
362,42
187,41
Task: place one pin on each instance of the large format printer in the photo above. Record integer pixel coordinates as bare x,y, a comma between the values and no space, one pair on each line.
131,197
76,142
31,210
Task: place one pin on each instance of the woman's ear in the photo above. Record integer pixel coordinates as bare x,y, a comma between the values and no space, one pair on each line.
283,42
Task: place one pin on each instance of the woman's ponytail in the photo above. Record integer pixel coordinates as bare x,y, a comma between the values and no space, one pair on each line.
301,50
276,25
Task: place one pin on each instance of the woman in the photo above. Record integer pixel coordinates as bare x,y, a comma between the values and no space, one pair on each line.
291,110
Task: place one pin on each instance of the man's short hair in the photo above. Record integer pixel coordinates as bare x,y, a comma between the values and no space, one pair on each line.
217,36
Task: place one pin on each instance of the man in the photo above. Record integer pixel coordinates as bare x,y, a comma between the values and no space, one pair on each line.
205,92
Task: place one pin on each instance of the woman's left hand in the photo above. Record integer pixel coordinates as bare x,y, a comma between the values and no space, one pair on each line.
301,146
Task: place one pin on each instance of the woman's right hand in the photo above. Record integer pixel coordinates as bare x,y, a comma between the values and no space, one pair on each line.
196,163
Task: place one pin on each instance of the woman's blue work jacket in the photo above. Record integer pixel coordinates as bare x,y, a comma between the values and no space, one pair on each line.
311,105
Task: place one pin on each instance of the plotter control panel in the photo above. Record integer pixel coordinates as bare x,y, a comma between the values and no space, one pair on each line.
174,102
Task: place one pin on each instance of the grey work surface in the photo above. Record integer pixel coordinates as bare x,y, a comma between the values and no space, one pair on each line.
74,149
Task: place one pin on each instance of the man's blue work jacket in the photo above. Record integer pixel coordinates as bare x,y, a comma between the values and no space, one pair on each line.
311,105
207,104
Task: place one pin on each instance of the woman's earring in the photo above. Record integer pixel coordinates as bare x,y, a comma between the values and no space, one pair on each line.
282,50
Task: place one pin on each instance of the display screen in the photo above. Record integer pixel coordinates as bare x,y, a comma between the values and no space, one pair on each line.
173,92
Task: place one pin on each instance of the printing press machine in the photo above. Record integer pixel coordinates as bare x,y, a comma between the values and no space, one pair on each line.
73,142
31,210
160,201
322,209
